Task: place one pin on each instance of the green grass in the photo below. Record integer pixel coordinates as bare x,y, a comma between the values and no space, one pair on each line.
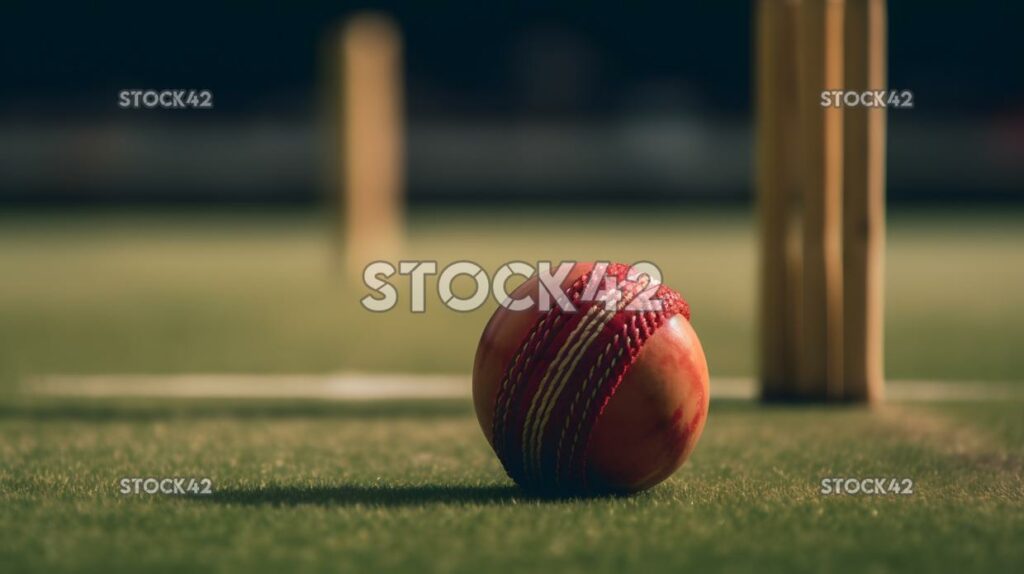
412,488
260,292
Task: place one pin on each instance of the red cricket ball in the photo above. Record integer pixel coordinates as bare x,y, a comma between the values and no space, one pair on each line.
596,400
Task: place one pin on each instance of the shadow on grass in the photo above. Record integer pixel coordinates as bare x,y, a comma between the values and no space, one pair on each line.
755,406
103,410
145,410
375,496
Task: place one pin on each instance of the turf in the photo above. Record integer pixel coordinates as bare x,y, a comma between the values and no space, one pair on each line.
413,487
259,292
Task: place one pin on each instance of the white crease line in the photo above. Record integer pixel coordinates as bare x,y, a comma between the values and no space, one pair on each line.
366,386
919,390
328,387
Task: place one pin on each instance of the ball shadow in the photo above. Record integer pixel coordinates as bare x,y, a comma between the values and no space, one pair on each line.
378,496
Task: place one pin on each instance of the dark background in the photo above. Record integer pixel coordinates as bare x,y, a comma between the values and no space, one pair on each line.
672,81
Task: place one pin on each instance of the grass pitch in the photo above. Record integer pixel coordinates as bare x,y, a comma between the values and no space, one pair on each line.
261,292
412,486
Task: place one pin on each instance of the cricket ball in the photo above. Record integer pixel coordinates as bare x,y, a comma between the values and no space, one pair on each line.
601,398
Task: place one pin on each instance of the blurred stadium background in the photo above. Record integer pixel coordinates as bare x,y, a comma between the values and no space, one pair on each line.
507,103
